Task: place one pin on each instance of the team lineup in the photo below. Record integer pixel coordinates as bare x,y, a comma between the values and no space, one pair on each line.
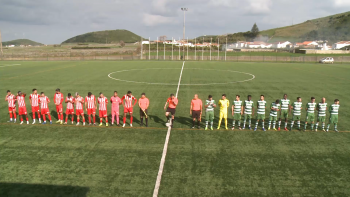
281,107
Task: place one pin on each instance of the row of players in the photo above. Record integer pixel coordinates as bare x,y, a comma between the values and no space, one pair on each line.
128,101
283,106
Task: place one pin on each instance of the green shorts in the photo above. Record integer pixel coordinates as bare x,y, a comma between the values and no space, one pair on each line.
247,116
209,115
273,118
296,117
284,113
333,119
237,116
310,117
321,119
260,117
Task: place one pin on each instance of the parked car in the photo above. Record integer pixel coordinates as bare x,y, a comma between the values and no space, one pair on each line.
327,60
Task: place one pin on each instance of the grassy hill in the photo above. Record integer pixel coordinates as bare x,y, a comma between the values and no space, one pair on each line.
21,42
332,28
108,36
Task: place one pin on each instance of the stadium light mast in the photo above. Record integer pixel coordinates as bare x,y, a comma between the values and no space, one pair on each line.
184,10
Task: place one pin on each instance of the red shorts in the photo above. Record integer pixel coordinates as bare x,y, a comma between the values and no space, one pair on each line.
11,109
45,111
79,112
91,111
69,111
103,113
59,108
35,109
126,110
22,111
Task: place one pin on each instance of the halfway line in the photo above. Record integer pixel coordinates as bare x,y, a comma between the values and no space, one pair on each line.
162,161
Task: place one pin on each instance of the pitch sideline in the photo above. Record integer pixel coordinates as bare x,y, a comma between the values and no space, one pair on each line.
162,161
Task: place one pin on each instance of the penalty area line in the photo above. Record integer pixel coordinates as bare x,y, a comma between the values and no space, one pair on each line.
165,149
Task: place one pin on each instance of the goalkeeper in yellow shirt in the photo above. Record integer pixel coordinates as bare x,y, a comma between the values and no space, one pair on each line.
224,104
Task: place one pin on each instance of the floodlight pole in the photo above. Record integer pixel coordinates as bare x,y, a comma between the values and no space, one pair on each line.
183,38
179,50
172,48
149,48
164,50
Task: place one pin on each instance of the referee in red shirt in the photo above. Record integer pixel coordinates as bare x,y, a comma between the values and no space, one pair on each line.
196,110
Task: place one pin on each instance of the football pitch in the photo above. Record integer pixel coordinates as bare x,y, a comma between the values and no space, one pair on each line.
69,160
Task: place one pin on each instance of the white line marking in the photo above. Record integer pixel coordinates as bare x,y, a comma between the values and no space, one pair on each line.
6,65
165,149
253,77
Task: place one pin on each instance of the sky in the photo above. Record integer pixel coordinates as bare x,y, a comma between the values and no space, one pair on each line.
54,21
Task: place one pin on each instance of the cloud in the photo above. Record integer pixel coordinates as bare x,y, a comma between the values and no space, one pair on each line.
341,3
259,7
154,20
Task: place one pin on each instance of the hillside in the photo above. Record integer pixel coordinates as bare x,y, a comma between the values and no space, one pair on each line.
19,42
108,36
332,28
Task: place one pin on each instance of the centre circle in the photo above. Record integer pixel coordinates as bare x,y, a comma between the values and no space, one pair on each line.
182,84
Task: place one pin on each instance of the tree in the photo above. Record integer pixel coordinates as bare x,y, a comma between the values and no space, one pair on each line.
121,43
254,31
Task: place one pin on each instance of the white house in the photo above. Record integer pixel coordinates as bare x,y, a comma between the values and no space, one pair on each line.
280,44
255,45
145,42
340,44
11,45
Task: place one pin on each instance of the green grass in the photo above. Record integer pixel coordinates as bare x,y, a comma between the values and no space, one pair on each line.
19,42
55,160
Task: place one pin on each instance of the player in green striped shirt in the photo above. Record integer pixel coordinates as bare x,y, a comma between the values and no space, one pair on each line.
333,118
297,107
285,110
310,113
274,107
261,106
209,112
237,111
321,108
248,111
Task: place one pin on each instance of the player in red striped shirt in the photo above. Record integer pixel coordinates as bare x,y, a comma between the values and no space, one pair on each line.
70,107
22,110
11,99
128,106
44,101
34,101
103,101
79,111
58,99
90,106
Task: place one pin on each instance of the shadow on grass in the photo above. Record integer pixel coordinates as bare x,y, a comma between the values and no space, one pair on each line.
41,190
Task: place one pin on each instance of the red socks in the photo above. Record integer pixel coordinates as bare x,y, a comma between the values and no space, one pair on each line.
94,119
14,115
62,116
34,115
44,118
10,115
90,119
124,119
131,117
39,116
49,117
